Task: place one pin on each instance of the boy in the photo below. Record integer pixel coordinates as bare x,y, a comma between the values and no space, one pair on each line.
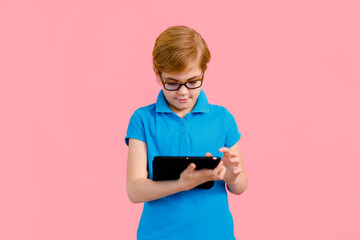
183,123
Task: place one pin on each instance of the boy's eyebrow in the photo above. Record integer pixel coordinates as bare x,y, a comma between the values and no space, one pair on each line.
195,77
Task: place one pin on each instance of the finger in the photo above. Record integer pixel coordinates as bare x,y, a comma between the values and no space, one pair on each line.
225,151
228,161
208,154
233,154
220,174
237,171
234,161
190,168
218,168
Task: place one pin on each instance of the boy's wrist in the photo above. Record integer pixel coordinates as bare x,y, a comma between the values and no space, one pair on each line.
180,186
234,182
239,186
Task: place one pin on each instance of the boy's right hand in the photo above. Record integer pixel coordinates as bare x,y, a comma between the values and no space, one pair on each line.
191,178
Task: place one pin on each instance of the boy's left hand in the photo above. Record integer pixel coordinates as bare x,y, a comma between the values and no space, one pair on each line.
231,163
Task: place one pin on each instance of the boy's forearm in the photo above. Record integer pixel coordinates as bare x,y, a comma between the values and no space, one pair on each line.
240,186
144,190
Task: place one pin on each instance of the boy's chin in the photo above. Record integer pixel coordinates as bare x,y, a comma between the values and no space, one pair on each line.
183,105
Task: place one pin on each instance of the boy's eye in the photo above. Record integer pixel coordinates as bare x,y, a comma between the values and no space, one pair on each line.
194,84
172,86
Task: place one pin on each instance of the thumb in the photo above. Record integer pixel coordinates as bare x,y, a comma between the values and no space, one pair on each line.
190,168
208,154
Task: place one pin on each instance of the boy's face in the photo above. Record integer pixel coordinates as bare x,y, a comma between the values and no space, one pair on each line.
183,100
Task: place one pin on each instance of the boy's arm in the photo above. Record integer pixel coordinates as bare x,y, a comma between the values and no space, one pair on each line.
140,189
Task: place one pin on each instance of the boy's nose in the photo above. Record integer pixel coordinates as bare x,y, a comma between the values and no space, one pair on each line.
182,89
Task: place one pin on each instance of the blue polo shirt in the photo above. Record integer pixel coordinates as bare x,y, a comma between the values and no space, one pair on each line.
196,213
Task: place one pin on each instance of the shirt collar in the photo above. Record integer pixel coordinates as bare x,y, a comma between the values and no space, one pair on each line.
202,104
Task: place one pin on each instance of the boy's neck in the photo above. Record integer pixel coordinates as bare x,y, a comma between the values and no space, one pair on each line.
181,113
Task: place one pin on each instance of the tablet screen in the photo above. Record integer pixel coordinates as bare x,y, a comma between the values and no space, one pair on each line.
170,167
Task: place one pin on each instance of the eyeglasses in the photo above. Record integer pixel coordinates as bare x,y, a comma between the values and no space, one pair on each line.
173,86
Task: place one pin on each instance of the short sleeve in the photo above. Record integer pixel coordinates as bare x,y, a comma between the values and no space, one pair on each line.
135,128
232,135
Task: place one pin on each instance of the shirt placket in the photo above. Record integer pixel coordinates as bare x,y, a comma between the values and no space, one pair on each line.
184,136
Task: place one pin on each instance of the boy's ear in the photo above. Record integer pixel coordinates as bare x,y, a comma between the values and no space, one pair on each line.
155,70
157,76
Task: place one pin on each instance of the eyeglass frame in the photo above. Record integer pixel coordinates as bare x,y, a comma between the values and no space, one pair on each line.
180,84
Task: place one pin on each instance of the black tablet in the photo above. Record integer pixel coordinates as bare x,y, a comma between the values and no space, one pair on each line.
170,167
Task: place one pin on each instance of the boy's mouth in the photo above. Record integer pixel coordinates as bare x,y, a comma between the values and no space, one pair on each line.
183,99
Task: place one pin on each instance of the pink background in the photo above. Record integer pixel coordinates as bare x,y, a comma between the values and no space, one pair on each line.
73,72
